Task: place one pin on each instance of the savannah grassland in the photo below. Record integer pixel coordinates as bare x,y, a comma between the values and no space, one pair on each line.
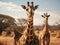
54,39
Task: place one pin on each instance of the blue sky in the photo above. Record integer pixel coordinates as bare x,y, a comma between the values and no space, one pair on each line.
13,8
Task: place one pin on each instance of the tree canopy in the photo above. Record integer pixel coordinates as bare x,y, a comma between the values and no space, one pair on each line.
5,21
7,18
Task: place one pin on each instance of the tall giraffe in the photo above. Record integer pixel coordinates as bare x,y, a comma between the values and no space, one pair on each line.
44,34
30,8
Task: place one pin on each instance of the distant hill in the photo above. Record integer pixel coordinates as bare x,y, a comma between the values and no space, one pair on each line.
54,27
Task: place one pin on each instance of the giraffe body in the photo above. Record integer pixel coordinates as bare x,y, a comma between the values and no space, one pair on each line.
44,36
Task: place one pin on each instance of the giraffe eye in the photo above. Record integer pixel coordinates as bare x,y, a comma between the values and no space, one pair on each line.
26,9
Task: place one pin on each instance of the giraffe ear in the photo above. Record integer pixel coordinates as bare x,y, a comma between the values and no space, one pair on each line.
42,16
24,7
48,15
35,7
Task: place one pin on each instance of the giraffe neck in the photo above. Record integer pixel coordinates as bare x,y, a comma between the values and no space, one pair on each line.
46,25
30,28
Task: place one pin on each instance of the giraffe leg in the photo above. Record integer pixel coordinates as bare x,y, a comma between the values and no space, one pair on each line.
15,42
40,41
43,42
48,42
19,43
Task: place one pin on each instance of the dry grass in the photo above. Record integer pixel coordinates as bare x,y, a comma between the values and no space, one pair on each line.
5,40
55,41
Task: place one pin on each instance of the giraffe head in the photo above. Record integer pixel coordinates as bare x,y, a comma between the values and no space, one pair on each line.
45,16
30,8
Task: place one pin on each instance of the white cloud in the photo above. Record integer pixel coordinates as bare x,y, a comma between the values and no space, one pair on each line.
54,17
38,20
12,9
11,6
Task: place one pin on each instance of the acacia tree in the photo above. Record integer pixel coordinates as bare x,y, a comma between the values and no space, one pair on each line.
22,23
5,21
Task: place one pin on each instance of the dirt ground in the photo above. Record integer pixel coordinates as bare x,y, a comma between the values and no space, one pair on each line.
54,41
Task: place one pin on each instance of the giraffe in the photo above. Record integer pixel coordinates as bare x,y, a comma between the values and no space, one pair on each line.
44,34
30,31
